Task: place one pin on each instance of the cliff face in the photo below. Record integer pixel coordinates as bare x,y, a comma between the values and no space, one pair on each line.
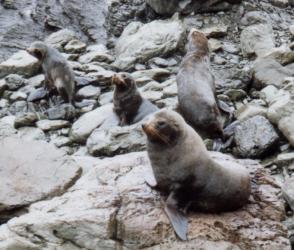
24,21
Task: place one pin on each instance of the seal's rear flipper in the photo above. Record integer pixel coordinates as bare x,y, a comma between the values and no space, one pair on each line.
178,221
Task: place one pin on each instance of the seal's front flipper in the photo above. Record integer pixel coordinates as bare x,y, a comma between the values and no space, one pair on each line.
176,217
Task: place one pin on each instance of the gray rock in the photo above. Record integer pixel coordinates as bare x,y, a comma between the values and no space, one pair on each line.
269,93
20,63
164,63
32,171
3,86
139,43
112,200
28,119
269,72
47,125
116,140
287,128
18,96
257,40
88,92
18,108
249,110
288,191
85,125
64,112
31,133
75,46
280,3
37,95
255,137
37,81
96,56
236,94
255,17
156,74
6,129
14,82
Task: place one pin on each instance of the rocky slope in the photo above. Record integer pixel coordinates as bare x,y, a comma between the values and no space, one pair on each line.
95,196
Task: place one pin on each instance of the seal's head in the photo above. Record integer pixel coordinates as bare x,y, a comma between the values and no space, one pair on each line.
38,50
123,82
165,127
198,42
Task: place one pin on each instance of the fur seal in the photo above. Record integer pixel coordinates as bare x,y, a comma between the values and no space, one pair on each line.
184,170
128,103
58,73
196,88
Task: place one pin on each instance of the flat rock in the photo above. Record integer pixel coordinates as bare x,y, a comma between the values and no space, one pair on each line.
116,140
47,125
257,40
140,42
60,38
20,63
34,171
31,133
255,137
75,46
27,119
88,92
63,111
111,206
96,56
268,71
86,124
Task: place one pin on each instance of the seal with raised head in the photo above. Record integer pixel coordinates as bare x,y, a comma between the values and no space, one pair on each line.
196,88
58,73
128,103
184,170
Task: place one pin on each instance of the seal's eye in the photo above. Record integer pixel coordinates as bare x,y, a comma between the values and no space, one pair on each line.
161,124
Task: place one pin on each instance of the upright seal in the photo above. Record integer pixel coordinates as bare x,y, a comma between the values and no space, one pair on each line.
58,73
184,170
196,88
128,103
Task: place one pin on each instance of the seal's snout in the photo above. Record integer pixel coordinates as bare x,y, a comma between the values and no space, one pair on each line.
118,80
30,51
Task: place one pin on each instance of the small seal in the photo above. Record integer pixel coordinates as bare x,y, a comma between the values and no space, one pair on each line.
196,88
128,103
184,170
58,73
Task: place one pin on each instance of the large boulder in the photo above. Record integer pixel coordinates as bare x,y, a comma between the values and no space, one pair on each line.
140,42
87,123
20,63
111,207
257,40
31,171
255,137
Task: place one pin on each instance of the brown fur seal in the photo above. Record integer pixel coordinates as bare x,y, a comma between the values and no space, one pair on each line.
58,73
184,170
196,88
128,103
